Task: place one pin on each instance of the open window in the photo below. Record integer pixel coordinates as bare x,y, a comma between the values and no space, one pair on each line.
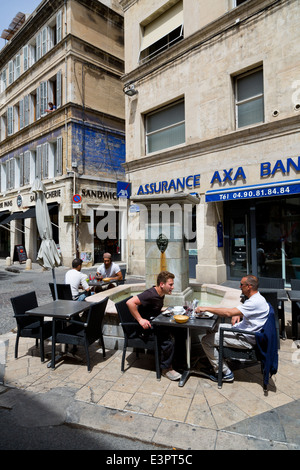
162,32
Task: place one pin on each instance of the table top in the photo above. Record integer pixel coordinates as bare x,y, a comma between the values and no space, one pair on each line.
205,322
294,295
281,293
96,282
59,309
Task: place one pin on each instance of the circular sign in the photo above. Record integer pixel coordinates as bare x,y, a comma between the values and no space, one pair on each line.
77,198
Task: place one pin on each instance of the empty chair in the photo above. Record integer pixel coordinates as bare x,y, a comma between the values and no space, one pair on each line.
133,335
85,333
295,284
271,283
63,291
264,351
275,283
30,326
123,271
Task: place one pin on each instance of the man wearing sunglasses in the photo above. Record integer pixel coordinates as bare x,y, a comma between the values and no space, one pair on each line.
250,316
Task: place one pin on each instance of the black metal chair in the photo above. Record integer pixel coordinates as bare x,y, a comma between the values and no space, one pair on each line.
30,326
63,291
295,284
275,283
85,333
123,271
271,283
133,335
250,354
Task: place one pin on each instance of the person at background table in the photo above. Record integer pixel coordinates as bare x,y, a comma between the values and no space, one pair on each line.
76,280
250,316
108,270
149,304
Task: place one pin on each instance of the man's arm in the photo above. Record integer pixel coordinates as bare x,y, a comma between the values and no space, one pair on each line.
220,311
133,304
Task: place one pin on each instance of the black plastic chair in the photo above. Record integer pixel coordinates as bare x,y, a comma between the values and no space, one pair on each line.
30,326
133,335
250,354
63,291
271,283
85,333
275,283
123,271
295,284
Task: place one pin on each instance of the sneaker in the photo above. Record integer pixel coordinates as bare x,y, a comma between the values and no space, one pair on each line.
226,378
171,374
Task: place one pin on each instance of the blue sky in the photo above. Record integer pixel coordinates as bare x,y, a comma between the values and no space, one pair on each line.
8,10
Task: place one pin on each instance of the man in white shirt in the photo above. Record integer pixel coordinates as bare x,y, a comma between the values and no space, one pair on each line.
108,270
75,278
249,316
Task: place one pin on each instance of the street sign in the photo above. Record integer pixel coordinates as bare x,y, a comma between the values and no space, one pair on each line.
84,218
76,206
77,198
69,218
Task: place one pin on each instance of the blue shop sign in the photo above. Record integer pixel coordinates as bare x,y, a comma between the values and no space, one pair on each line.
123,189
285,188
177,184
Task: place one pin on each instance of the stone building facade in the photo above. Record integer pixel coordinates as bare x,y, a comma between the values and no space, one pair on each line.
71,53
213,111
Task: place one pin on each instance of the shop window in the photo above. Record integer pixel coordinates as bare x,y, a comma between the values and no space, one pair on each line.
165,127
162,32
249,95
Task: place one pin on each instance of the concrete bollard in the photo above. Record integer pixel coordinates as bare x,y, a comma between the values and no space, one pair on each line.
8,261
28,264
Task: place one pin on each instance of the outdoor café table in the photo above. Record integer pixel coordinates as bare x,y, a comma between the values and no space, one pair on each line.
294,296
282,296
203,323
58,310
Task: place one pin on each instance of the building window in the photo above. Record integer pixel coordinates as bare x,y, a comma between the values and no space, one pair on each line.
162,32
239,2
165,127
249,94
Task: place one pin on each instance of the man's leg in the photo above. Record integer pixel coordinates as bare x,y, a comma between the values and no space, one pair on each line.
210,343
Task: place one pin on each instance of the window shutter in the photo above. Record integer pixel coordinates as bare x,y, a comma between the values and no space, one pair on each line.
10,72
21,108
58,89
59,156
25,58
10,120
38,103
45,166
26,168
21,161
58,26
26,110
38,163
44,40
38,46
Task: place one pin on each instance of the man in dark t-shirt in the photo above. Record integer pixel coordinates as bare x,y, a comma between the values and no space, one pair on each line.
149,304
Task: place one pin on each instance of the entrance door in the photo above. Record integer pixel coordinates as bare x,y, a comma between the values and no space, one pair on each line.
239,246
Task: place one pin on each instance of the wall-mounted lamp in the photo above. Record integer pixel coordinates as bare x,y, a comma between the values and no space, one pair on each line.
130,90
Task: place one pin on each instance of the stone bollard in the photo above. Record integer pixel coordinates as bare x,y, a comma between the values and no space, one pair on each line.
8,261
28,264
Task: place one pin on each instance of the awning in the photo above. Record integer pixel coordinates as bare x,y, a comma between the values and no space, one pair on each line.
24,215
163,25
281,188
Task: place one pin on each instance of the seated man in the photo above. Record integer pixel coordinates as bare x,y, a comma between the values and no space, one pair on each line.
149,304
108,270
249,316
76,279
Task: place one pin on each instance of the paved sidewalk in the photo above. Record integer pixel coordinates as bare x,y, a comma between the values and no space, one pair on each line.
134,404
